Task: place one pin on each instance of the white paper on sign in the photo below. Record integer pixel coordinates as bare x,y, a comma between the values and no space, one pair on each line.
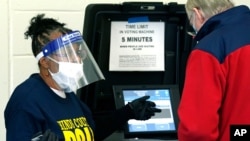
137,46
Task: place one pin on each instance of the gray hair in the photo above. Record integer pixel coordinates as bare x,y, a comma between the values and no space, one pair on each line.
208,7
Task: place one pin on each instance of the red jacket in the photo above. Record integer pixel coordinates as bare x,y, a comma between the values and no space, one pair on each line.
216,91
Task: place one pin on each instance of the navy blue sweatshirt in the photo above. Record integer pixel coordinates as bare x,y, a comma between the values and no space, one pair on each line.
34,107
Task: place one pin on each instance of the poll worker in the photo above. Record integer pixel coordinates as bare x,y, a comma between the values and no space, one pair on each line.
216,88
45,106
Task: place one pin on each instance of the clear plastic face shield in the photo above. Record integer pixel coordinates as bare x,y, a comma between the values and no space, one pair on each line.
73,64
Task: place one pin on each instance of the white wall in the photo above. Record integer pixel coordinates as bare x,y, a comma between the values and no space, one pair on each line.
16,59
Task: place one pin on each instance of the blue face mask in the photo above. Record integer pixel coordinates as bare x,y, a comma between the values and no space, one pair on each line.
193,23
194,32
195,29
69,76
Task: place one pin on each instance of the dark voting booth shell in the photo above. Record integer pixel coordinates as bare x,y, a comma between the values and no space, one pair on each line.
96,32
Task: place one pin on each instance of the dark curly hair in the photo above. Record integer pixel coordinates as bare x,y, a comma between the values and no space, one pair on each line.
39,25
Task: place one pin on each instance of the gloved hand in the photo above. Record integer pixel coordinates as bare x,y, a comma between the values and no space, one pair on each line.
47,136
143,109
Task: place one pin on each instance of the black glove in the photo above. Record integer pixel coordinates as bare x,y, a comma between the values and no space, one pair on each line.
143,109
47,136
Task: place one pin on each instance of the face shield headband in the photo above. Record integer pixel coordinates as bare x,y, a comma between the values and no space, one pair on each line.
74,66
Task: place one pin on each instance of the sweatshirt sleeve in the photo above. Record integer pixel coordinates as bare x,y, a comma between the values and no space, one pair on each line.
201,98
20,126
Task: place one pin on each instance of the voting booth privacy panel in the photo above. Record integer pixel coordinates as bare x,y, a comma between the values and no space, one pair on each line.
135,43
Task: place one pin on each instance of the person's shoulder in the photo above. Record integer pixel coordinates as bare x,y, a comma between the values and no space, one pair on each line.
27,94
27,88
31,83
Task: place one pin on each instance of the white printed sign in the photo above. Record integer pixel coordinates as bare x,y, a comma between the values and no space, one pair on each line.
137,46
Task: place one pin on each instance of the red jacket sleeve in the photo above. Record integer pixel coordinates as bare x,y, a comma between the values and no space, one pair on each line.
201,98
